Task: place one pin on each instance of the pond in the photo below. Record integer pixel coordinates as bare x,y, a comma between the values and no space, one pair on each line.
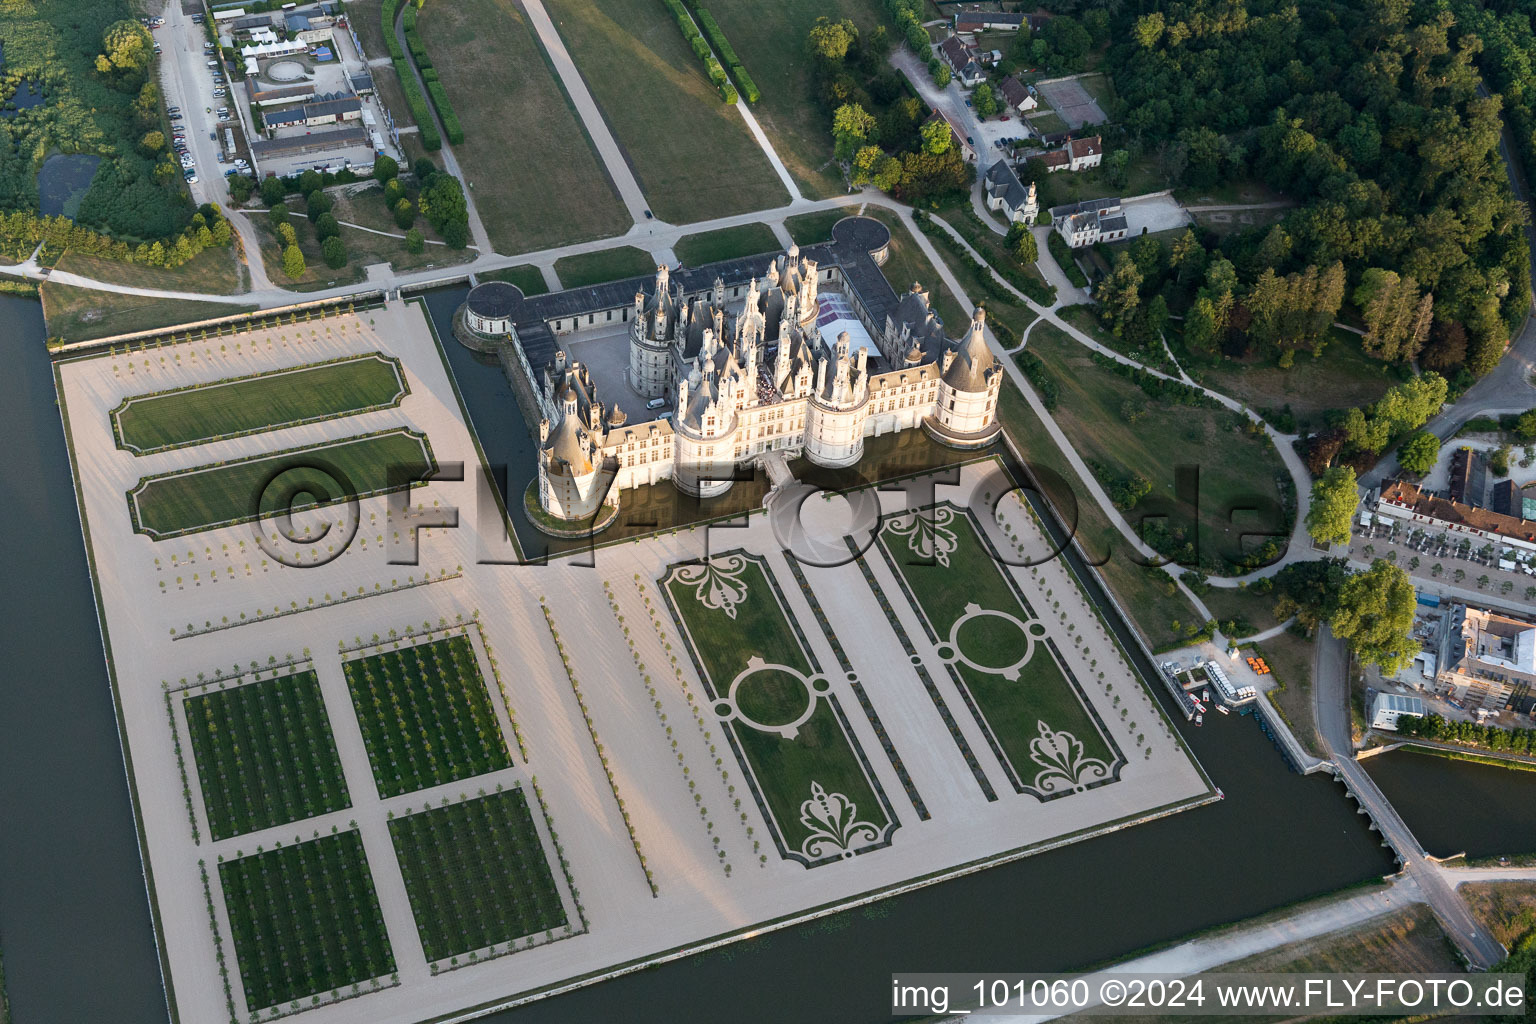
63,182
28,94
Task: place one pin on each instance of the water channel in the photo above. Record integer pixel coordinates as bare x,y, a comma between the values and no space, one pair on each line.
75,927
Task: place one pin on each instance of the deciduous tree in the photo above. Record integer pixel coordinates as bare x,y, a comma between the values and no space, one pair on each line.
1334,500
293,262
1418,453
1374,615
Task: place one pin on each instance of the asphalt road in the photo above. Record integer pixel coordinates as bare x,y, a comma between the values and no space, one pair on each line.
1330,698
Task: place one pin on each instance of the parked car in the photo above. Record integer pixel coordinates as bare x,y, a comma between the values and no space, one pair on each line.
175,117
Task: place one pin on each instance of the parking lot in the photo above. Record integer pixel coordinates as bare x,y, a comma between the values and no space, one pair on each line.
1440,558
187,83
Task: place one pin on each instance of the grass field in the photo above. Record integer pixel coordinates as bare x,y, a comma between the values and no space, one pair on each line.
305,919
726,244
1141,177
527,278
1290,659
209,497
214,271
265,754
1148,596
81,314
980,284
1341,377
1508,909
364,248
692,154
810,228
943,588
366,20
316,274
771,39
426,715
1127,434
476,874
545,185
1228,603
607,265
782,769
264,401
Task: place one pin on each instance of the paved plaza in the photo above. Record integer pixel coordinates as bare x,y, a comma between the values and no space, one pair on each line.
642,809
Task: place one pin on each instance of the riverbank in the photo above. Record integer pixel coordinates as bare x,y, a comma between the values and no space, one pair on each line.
1472,756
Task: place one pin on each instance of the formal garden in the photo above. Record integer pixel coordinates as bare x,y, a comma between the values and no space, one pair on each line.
999,652
478,877
310,476
259,402
426,715
265,754
812,781
306,921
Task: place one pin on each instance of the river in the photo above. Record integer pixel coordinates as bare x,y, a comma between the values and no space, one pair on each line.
75,926
1492,805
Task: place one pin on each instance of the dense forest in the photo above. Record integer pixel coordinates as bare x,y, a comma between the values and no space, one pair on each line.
94,65
1370,116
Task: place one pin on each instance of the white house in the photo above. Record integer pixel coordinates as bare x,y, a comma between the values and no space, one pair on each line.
1006,194
1388,708
1090,221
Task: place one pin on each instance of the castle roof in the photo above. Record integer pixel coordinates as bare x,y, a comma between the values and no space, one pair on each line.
973,365
567,448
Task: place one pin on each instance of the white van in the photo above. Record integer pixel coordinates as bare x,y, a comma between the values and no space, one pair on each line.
656,403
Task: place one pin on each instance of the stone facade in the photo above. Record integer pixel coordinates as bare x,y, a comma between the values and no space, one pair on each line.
749,381
1090,221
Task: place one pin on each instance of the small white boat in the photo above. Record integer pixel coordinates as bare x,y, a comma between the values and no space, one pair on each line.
1199,719
1223,709
1205,695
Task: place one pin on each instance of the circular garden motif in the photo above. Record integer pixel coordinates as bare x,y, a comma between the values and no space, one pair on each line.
772,698
993,642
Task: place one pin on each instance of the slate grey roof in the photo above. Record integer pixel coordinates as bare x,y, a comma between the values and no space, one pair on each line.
853,240
1001,180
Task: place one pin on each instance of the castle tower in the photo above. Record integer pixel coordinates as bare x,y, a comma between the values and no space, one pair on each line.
651,331
838,411
966,413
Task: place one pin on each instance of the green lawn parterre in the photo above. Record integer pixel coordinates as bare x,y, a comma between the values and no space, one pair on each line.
305,920
426,715
265,754
781,770
476,874
946,566
259,402
726,244
209,497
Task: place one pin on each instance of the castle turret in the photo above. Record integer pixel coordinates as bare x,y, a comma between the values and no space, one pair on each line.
966,413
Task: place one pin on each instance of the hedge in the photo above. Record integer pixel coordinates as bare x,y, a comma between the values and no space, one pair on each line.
387,17
701,50
431,139
727,54
445,111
